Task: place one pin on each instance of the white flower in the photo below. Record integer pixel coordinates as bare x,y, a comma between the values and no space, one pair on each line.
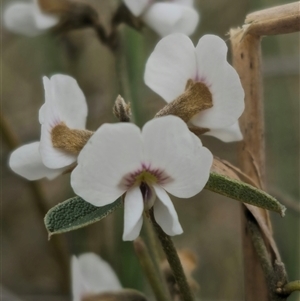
64,103
92,275
166,17
27,18
175,60
164,156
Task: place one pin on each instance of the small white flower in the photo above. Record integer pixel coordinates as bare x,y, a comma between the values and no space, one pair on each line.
120,158
166,17
28,18
175,60
92,275
64,103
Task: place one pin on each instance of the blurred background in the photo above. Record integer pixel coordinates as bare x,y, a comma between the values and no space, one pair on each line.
30,267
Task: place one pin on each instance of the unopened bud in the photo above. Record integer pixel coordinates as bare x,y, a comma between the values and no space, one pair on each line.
69,140
122,109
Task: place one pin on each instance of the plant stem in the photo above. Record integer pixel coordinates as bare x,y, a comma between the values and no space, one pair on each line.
291,287
173,259
150,270
57,244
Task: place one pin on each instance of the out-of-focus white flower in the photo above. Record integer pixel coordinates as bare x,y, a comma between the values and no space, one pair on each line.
120,158
166,17
64,104
28,18
92,275
175,60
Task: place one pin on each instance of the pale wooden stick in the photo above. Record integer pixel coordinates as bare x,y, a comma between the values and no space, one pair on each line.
247,62
273,21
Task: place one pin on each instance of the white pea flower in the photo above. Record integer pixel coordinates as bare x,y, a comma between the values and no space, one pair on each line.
166,17
27,18
92,275
120,158
175,61
64,107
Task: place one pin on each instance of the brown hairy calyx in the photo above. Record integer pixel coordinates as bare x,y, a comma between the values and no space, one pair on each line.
69,140
195,99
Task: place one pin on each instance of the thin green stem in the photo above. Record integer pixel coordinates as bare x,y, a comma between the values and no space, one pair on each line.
173,259
154,248
291,287
151,272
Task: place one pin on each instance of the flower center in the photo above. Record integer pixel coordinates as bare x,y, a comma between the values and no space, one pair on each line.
145,177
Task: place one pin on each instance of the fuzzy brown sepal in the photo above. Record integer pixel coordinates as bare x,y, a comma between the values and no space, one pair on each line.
195,99
69,140
122,295
198,131
121,109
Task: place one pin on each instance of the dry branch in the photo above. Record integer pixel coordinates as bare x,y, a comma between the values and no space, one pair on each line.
273,21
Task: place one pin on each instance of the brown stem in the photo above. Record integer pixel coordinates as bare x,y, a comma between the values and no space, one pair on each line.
173,259
39,198
273,21
247,61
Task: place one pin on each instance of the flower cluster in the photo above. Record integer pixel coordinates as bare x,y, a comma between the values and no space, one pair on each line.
166,17
141,166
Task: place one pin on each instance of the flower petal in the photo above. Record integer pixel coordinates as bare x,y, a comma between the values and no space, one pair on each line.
167,18
26,161
78,287
165,213
170,65
43,21
189,3
137,7
227,134
181,155
67,98
97,275
18,18
223,82
66,103
133,213
112,152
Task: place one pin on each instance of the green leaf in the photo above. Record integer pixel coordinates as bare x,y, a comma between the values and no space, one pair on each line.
243,192
76,213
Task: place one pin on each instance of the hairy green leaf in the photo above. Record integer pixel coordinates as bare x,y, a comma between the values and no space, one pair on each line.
243,192
76,213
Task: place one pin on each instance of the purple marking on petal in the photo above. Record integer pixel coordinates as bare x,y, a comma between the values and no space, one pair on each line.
145,174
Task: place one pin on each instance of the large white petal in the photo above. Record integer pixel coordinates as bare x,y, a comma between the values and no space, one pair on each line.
66,103
189,3
137,7
69,100
97,275
223,82
43,21
26,161
170,65
172,148
133,213
167,18
18,18
78,287
115,150
165,213
228,134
